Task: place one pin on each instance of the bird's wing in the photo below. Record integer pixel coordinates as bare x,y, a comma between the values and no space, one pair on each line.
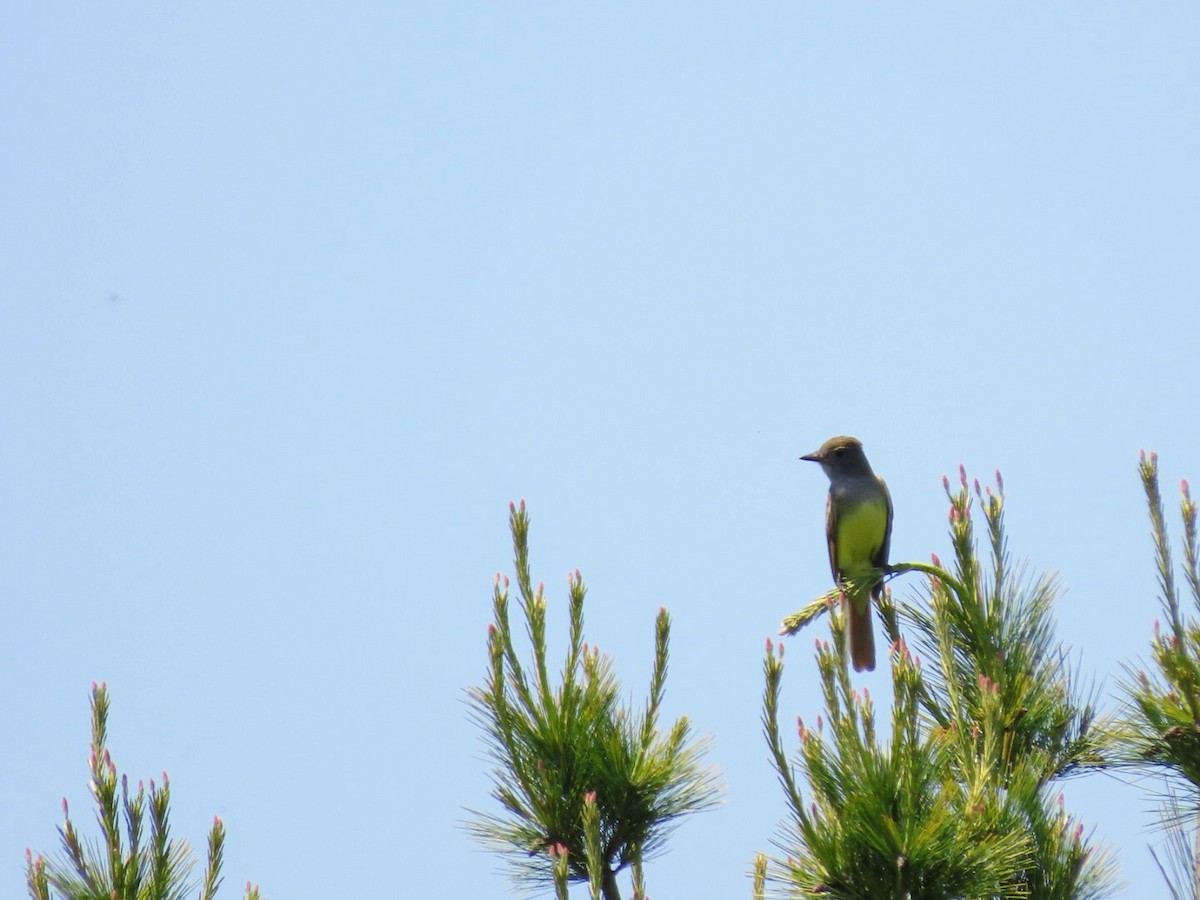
830,532
880,558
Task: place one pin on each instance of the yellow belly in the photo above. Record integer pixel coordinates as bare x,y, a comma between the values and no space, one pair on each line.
860,531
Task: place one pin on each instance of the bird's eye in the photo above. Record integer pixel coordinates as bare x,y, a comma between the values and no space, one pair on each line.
840,451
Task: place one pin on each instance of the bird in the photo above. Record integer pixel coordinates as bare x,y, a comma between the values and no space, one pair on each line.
858,529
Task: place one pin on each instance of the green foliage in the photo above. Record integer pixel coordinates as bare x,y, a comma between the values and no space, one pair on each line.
955,795
959,801
1165,712
992,633
1006,686
587,786
1161,726
887,818
129,865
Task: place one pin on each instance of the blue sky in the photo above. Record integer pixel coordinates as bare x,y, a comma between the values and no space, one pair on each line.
294,299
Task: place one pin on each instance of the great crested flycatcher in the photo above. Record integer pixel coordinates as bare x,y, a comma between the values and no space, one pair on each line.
858,527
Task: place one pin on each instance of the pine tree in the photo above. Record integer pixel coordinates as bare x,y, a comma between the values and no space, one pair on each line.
1159,733
959,796
129,864
588,786
961,799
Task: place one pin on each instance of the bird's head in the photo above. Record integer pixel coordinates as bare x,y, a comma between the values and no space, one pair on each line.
842,455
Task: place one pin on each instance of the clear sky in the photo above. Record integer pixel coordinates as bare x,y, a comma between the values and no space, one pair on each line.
294,298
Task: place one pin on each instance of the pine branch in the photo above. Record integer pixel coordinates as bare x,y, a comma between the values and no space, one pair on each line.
958,802
122,867
1161,722
586,785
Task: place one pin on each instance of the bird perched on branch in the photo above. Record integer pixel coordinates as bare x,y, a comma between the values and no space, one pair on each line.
858,528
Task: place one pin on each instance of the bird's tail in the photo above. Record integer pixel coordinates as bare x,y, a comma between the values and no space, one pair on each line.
860,632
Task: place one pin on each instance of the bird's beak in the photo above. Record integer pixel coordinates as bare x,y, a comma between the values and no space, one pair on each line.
812,457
